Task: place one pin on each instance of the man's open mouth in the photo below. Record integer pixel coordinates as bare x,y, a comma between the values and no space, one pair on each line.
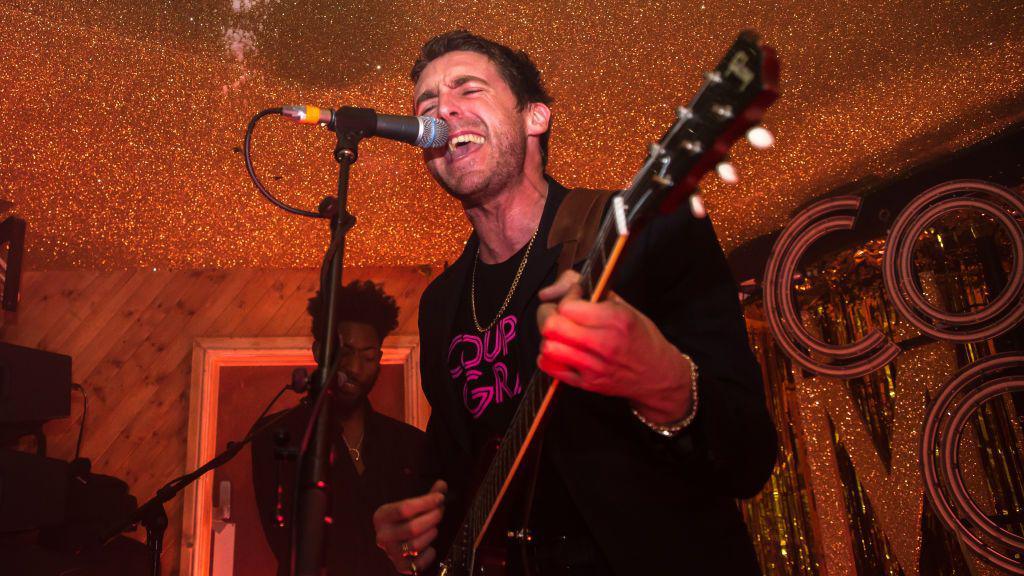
462,145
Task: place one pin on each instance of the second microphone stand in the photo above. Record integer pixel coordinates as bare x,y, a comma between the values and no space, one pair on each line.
351,125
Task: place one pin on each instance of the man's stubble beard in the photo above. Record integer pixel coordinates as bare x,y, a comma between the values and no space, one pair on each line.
509,166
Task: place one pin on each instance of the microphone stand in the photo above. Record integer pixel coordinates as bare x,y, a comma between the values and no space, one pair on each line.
350,125
152,514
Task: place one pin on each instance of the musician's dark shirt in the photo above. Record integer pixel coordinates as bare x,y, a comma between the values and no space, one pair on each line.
391,451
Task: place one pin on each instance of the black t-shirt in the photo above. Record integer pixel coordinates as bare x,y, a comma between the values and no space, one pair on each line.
490,371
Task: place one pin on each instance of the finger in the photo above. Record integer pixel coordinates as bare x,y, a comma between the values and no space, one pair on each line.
560,328
421,542
612,296
544,311
394,552
613,315
579,360
422,562
440,486
397,512
559,372
411,529
567,281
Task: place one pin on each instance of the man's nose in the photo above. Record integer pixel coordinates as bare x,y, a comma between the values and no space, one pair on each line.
447,106
351,363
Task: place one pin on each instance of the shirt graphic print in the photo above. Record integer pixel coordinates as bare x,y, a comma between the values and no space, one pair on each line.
484,367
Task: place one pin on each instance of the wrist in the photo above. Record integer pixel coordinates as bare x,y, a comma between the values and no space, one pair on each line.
675,408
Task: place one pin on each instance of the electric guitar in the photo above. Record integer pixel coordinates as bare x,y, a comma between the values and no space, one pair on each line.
730,102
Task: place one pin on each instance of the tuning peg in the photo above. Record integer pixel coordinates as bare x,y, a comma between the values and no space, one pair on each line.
713,77
697,206
665,181
723,111
691,146
760,138
727,172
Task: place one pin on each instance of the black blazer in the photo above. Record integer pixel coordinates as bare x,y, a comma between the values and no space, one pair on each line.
654,505
393,453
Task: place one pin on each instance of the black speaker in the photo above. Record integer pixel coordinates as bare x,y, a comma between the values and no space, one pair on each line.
12,233
33,491
34,385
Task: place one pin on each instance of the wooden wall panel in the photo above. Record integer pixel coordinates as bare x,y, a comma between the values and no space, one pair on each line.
130,335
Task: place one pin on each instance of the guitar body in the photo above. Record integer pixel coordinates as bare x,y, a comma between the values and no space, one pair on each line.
504,544
492,559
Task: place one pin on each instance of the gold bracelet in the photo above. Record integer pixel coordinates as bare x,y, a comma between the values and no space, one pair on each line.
672,428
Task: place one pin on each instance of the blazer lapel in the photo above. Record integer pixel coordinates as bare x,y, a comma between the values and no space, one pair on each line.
542,259
451,288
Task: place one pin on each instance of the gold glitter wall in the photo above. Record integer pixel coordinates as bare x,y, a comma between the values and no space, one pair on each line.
121,120
846,496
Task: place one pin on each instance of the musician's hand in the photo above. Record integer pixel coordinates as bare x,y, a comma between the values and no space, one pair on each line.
612,349
405,529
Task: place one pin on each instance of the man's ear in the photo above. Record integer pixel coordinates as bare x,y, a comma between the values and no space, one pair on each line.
538,118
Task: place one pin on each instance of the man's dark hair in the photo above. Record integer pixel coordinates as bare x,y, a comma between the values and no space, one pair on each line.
515,66
359,302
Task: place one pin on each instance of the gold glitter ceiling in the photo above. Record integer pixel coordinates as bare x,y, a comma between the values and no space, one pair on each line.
121,123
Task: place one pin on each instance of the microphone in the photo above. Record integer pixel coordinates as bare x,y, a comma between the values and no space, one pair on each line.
422,131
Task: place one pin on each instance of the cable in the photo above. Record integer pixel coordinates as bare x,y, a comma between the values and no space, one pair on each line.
267,409
81,425
247,154
253,430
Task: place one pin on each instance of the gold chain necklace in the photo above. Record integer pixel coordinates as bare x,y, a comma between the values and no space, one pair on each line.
354,452
511,290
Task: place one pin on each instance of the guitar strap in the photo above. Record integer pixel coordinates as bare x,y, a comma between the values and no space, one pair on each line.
575,227
576,224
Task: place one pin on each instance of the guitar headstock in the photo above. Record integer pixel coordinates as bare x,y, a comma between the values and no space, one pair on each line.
731,102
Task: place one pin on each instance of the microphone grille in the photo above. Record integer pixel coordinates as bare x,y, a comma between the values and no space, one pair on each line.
434,133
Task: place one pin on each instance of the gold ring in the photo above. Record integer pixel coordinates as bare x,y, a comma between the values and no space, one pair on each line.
408,552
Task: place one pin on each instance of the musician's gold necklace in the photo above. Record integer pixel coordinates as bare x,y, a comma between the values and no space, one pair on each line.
511,290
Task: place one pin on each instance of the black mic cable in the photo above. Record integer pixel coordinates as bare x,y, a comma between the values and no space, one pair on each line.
422,131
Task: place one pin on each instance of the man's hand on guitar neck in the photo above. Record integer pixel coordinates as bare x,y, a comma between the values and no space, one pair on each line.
613,349
405,529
